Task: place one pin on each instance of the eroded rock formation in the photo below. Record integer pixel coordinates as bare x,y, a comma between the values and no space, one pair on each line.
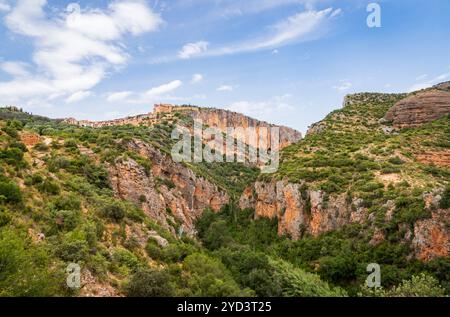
218,118
169,193
301,211
419,108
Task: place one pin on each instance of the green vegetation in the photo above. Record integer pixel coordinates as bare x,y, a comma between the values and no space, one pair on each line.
57,206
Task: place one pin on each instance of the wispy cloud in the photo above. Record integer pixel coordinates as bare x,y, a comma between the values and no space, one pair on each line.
225,88
299,27
118,96
164,89
4,5
78,96
263,109
427,83
73,49
196,78
193,49
343,85
154,94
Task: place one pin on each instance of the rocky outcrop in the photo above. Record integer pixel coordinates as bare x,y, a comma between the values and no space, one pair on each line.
222,119
419,108
29,139
170,193
431,236
301,210
218,118
439,158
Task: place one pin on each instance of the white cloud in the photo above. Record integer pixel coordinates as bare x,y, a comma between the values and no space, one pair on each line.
262,109
428,83
118,96
163,89
192,49
343,85
196,78
299,27
4,5
274,52
17,69
153,95
78,96
336,13
225,88
74,49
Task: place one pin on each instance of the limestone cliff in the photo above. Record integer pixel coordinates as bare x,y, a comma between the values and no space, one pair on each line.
301,211
170,193
218,118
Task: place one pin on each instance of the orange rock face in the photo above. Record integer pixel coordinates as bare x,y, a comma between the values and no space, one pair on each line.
29,139
431,237
441,158
298,212
218,118
183,202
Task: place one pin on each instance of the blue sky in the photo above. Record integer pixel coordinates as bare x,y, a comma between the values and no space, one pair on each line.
288,62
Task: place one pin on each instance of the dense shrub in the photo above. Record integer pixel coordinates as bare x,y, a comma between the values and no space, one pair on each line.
126,258
50,187
9,191
26,269
418,286
113,211
72,250
208,277
149,283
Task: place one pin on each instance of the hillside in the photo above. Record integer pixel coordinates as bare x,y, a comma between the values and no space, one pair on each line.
358,189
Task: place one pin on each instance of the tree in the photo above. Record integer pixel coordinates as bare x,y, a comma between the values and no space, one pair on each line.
208,277
149,283
418,286
26,269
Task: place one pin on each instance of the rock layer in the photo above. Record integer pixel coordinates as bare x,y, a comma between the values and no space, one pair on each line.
419,108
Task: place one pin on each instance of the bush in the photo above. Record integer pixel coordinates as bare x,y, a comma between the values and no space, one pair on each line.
126,258
113,211
72,250
208,277
41,147
26,269
10,191
418,286
68,202
67,219
445,200
49,187
12,155
298,283
149,283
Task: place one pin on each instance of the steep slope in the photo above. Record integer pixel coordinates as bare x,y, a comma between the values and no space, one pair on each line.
352,168
105,198
108,197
